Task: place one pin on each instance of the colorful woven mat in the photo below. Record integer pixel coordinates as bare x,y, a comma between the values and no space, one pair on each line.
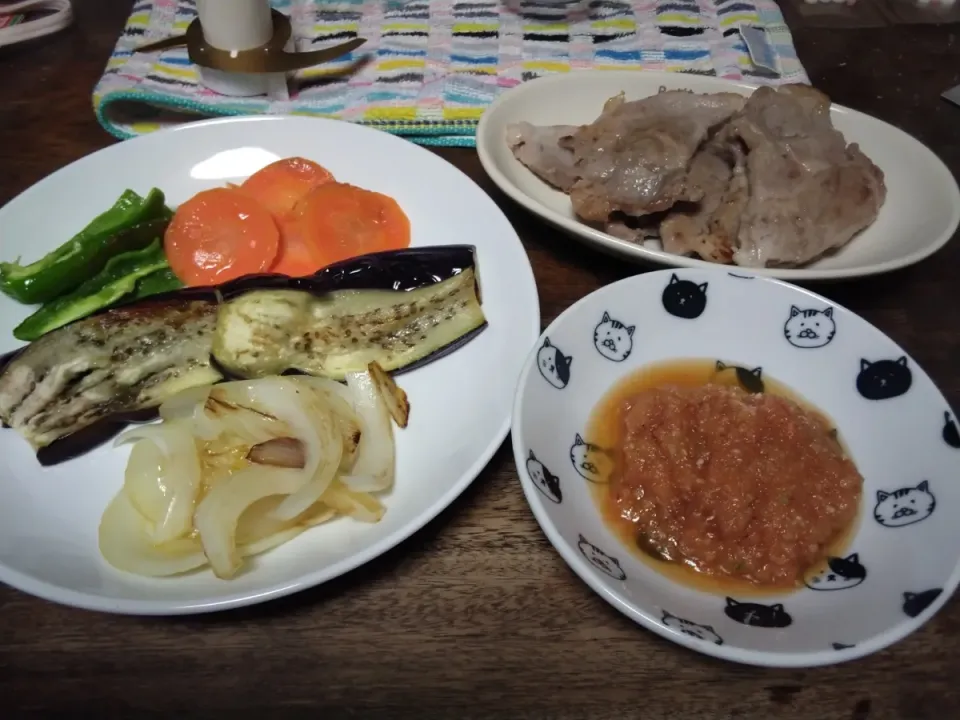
430,67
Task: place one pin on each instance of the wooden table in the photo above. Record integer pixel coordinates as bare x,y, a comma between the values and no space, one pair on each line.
476,616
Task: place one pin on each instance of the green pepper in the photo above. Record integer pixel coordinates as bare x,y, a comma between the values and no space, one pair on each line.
86,254
116,280
155,283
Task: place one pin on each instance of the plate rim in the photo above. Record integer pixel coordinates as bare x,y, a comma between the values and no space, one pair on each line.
641,255
755,658
170,608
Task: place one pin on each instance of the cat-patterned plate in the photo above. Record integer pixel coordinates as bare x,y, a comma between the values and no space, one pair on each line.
901,562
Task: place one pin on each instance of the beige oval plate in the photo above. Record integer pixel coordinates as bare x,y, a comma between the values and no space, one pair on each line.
921,213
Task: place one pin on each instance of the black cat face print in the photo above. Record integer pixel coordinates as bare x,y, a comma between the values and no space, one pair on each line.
915,603
951,436
554,365
840,573
593,462
692,629
905,506
546,482
749,380
810,328
613,339
684,298
757,615
600,560
884,379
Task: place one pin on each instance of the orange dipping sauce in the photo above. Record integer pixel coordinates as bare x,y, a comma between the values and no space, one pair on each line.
722,478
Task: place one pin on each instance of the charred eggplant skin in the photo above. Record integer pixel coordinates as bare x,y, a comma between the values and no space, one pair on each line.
406,269
398,270
401,270
269,332
100,368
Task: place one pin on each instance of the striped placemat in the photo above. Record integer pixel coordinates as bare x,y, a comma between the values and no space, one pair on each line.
430,67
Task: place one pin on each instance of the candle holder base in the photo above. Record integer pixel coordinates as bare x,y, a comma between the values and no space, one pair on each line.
257,71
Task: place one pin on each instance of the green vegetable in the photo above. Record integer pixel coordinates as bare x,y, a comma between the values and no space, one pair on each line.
155,283
87,253
118,278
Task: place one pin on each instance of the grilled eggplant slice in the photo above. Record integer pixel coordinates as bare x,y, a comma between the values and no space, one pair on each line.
400,308
80,384
269,332
107,367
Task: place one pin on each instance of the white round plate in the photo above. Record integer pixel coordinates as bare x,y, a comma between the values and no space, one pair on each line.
899,568
460,404
920,215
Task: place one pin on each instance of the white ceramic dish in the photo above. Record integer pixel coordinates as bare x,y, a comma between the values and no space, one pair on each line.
920,215
460,404
905,565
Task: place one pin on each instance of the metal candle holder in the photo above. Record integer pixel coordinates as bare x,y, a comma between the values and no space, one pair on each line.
244,47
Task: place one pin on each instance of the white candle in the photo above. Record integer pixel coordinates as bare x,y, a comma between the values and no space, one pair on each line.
235,24
238,25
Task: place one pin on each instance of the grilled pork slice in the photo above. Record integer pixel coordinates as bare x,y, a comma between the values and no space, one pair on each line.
810,192
710,227
541,150
632,159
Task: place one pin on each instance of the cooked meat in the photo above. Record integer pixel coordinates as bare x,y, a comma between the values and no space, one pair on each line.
709,228
634,157
760,182
810,192
119,361
540,150
634,229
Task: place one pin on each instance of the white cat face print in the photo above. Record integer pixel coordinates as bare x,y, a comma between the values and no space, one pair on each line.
546,481
613,339
591,461
600,560
905,506
810,328
554,365
688,627
840,573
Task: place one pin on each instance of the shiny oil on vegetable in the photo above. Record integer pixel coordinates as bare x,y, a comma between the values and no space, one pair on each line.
241,467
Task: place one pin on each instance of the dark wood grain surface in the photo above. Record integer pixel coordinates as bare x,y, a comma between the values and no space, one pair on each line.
476,616
869,13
